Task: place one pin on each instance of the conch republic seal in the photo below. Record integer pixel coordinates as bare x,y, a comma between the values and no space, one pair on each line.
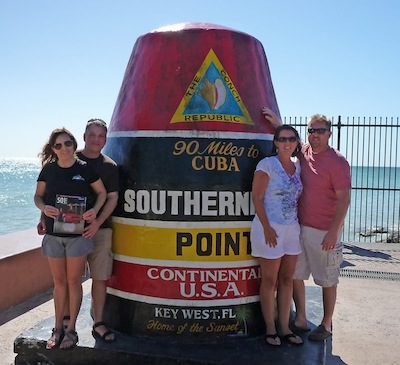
187,132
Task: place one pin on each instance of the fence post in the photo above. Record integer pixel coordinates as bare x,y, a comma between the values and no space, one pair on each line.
339,125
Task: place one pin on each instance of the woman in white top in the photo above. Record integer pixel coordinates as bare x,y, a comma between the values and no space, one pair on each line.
275,231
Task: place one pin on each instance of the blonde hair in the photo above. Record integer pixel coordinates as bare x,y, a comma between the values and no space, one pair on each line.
320,118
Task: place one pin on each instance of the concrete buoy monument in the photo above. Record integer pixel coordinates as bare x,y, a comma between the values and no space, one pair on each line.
187,132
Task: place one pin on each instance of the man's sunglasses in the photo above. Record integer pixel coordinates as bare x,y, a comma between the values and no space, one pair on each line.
58,146
317,130
287,139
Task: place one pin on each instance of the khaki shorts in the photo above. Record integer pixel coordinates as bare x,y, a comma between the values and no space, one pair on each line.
323,265
101,259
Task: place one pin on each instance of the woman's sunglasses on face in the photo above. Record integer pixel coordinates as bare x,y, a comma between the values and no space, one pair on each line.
58,146
287,139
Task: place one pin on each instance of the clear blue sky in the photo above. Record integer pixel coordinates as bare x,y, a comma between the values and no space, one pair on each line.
62,62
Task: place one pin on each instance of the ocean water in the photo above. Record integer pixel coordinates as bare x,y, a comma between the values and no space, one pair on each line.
17,188
375,199
375,203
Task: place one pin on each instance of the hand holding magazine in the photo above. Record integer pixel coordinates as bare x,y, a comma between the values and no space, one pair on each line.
71,209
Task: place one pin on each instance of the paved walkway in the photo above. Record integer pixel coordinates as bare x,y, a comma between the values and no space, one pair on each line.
366,322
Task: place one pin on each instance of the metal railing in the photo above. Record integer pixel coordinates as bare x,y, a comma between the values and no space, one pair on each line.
372,147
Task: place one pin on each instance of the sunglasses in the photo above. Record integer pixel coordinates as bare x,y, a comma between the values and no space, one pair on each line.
287,139
58,146
317,130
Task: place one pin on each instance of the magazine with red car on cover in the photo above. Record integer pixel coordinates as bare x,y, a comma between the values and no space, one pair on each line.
71,209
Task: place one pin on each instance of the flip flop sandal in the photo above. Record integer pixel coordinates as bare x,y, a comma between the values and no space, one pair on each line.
298,329
319,334
55,338
104,336
290,339
69,341
272,337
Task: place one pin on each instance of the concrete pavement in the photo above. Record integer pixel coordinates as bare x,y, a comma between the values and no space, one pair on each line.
366,321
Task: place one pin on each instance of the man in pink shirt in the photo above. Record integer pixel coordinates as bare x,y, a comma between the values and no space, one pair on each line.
322,209
323,206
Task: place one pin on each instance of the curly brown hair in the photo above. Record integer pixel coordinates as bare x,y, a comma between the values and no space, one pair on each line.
47,155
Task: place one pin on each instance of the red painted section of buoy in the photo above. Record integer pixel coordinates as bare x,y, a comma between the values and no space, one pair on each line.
187,132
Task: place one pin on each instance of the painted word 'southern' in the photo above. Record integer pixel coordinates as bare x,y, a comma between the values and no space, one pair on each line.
189,203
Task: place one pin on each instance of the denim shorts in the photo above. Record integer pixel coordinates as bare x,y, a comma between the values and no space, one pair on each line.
54,246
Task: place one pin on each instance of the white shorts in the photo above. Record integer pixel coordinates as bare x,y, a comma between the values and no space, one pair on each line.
288,240
324,265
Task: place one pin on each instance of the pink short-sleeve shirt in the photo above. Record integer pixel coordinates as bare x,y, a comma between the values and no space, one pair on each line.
322,175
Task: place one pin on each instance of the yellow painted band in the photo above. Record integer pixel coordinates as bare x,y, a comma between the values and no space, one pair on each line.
182,244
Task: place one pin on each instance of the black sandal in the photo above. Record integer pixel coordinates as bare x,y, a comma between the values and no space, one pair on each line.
57,335
104,336
290,339
69,336
297,329
274,337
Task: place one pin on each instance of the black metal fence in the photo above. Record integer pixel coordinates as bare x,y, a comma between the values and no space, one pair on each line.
372,147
